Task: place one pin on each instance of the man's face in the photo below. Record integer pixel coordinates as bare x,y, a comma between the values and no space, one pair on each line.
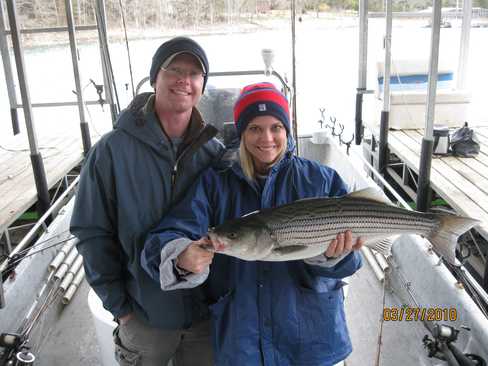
179,86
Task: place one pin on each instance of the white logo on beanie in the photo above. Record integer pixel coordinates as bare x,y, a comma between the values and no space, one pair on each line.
262,107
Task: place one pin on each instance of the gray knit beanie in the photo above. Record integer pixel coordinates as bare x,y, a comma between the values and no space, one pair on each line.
175,46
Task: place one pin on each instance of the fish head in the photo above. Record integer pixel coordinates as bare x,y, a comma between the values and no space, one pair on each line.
246,239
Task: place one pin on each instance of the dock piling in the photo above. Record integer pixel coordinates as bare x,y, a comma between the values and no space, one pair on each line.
36,158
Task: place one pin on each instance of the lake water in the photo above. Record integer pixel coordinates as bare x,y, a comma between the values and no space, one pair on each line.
327,67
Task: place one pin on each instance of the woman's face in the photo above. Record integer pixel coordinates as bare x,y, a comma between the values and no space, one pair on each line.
265,139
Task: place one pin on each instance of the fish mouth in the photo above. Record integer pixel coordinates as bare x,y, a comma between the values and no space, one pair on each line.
219,245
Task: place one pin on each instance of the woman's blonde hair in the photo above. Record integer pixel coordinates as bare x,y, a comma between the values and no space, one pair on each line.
247,162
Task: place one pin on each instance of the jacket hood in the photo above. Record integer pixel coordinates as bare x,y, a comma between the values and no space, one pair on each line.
290,144
139,119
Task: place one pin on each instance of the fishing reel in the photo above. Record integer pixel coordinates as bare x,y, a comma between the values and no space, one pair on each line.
15,351
442,347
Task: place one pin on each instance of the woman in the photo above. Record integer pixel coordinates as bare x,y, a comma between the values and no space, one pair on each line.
264,313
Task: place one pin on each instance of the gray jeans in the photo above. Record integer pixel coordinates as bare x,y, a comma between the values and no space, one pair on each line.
136,344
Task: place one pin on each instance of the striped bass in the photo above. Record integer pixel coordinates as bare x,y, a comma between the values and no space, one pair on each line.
305,228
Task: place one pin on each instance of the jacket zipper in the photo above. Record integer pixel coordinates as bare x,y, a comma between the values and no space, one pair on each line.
173,177
174,172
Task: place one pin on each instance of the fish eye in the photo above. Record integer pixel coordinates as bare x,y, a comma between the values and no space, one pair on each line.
232,235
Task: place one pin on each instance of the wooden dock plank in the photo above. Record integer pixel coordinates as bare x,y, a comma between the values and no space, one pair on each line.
457,195
19,165
483,155
61,151
409,137
53,159
18,148
482,131
25,195
469,168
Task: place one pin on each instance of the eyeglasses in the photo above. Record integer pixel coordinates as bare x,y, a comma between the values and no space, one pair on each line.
178,73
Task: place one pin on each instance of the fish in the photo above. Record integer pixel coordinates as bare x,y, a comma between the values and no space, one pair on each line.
304,228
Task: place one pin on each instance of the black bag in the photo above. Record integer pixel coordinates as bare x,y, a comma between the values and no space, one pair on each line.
464,142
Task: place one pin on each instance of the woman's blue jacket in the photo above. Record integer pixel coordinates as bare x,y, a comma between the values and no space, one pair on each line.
264,313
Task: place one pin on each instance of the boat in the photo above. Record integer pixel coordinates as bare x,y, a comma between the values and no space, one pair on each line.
409,309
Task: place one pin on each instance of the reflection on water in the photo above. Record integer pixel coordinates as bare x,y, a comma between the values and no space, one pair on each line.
327,58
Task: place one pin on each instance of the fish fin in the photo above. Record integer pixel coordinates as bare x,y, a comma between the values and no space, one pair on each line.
289,249
382,246
445,238
371,193
251,213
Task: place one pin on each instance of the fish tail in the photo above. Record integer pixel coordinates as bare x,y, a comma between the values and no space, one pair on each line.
445,238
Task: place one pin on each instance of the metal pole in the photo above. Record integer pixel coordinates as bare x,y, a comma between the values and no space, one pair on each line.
103,43
363,66
36,158
464,45
85,129
2,296
385,113
7,68
294,80
424,193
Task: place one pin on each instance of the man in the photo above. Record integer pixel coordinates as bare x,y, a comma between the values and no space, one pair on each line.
130,177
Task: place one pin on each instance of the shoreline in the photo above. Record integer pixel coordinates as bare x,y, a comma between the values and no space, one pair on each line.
116,33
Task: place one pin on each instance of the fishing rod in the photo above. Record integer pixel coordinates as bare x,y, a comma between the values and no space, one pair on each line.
294,75
41,223
39,243
16,352
441,346
14,260
122,12
480,297
16,349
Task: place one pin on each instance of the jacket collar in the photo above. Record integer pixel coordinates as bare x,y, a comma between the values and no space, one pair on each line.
139,119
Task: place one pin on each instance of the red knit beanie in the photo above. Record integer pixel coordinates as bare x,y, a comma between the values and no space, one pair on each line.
261,99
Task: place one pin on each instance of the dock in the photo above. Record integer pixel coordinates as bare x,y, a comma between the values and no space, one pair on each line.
461,182
61,151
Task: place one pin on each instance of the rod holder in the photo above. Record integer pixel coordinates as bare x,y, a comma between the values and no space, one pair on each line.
85,136
424,193
359,117
383,148
15,121
2,296
41,183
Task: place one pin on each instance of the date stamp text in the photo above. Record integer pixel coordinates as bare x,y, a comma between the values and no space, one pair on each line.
435,314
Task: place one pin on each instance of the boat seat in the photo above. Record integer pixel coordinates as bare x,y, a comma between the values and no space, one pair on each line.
216,106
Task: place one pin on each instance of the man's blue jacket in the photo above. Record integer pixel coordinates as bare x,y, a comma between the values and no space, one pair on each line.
264,313
129,179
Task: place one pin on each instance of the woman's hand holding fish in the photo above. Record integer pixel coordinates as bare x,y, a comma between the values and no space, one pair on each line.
343,243
196,257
